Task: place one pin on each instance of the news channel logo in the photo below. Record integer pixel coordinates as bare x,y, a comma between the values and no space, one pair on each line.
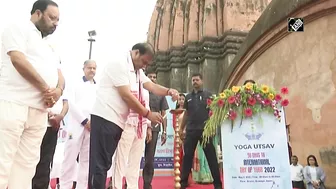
295,25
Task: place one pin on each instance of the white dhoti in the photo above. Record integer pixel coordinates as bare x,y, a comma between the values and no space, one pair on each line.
76,144
128,157
21,132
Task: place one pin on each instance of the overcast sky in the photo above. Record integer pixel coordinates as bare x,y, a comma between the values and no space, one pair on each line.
119,25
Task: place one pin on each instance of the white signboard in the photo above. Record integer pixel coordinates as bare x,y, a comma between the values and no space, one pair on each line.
255,153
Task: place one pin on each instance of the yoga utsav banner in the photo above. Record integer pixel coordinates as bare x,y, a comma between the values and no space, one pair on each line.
255,153
164,160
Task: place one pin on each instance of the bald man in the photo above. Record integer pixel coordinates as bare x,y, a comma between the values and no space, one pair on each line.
81,100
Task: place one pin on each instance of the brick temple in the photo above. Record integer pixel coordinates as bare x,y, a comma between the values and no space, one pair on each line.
229,41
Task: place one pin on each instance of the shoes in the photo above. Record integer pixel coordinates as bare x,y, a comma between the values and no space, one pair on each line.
184,187
147,187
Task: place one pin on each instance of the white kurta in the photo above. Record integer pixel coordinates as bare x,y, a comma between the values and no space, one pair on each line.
81,99
23,115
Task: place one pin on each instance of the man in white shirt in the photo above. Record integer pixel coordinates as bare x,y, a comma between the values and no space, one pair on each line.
112,107
131,146
81,98
30,83
296,173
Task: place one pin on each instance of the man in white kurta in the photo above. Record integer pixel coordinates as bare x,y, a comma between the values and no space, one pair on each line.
131,145
81,100
30,82
111,109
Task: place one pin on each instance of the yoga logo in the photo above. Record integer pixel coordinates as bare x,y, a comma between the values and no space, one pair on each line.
253,136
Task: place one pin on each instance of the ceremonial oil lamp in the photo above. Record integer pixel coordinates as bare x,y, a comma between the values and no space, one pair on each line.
177,143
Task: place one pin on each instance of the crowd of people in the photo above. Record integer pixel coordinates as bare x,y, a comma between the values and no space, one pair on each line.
112,122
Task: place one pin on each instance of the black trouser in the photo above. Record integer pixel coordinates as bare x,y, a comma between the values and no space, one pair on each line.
41,178
190,143
148,169
104,138
298,184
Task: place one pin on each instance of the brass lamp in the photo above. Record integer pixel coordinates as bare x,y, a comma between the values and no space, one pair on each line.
177,143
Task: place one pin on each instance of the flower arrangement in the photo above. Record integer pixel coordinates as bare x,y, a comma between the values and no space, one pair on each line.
247,100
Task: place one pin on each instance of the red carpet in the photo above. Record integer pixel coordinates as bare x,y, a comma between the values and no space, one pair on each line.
159,182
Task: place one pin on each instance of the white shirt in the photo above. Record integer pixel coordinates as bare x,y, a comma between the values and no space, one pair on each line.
313,173
81,97
27,39
109,104
58,107
296,172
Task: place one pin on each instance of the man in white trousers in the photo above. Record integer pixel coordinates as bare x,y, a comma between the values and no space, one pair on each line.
30,82
81,100
131,146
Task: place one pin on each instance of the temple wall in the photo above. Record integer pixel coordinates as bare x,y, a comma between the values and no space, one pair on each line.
199,37
305,62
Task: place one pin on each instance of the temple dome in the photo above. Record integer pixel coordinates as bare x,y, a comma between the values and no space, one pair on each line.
199,36
176,22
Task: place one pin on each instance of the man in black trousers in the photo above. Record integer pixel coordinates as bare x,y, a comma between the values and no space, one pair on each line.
196,113
157,104
112,107
41,178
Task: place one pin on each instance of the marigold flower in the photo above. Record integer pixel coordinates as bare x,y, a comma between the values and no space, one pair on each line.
235,89
264,89
222,95
249,86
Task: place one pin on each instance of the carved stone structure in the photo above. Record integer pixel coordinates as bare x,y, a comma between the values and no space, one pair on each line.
203,36
306,63
206,36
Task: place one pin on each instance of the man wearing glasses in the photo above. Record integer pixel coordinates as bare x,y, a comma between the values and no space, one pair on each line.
31,81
